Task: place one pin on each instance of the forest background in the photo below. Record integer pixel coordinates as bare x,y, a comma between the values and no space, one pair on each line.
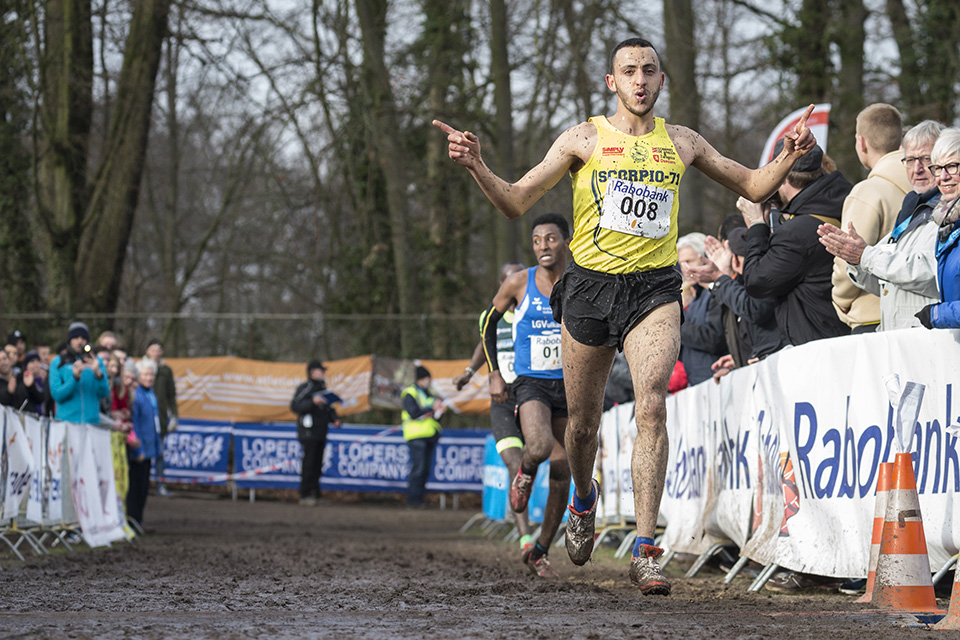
259,177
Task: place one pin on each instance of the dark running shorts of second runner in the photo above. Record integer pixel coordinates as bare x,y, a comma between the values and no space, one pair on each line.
599,309
503,418
549,392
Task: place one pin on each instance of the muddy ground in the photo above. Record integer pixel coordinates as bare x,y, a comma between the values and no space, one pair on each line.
214,568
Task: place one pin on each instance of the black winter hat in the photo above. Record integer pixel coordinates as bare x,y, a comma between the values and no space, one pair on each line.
78,329
315,364
421,373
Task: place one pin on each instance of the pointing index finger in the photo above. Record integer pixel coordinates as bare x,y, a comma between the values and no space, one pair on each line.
443,126
803,119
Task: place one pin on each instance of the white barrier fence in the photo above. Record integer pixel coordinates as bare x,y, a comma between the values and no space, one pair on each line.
782,456
39,459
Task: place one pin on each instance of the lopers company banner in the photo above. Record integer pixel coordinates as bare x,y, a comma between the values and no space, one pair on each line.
357,458
782,456
197,450
241,390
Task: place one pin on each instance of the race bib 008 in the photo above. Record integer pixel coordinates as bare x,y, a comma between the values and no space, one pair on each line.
545,353
636,208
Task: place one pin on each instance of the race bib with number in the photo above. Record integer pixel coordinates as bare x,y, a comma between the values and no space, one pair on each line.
637,209
545,353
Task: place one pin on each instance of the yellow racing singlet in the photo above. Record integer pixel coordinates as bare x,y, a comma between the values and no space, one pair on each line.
625,201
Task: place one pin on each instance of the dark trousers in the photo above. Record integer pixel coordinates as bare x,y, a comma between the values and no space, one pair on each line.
137,492
421,460
160,466
311,468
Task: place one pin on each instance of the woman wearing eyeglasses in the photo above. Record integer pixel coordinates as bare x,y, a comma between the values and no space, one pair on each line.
945,167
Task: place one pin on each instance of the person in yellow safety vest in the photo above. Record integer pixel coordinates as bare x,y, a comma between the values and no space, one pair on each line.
421,431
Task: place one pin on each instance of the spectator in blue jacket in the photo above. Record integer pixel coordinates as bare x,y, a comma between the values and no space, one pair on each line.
945,167
702,340
77,379
145,419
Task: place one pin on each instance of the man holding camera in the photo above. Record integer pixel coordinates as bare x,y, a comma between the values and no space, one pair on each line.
77,379
315,413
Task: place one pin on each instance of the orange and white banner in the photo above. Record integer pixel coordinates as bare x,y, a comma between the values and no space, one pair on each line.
242,390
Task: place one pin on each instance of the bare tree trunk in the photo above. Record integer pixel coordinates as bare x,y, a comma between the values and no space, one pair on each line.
850,37
66,71
382,125
507,241
681,54
108,216
19,264
910,55
940,19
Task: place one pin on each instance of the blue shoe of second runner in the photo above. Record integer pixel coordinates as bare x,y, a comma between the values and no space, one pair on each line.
580,530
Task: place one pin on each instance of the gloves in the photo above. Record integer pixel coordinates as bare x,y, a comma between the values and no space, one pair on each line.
924,316
172,424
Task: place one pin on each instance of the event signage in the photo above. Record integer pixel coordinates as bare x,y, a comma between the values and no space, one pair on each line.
196,450
782,456
34,432
20,466
356,458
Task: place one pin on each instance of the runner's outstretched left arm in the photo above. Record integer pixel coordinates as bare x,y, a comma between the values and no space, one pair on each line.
755,185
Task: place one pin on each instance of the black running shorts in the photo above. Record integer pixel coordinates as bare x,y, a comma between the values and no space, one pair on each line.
504,422
549,392
599,309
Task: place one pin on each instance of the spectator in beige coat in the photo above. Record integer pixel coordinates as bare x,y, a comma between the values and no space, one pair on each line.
871,207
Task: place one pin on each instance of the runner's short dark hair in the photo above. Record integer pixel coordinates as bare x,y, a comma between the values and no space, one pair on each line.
632,42
553,218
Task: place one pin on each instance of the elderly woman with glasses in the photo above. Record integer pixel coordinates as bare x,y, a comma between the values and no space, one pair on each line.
945,167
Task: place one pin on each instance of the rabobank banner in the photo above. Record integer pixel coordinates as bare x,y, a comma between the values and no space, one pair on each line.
782,456
198,449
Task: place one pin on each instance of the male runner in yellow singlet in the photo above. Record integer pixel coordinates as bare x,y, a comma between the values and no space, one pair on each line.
621,290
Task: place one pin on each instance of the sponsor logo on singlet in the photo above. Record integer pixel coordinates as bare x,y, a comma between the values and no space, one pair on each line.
613,151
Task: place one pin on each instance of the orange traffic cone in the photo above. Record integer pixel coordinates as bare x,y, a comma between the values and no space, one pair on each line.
903,579
884,482
952,619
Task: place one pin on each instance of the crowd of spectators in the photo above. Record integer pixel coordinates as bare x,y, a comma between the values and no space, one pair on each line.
97,383
824,257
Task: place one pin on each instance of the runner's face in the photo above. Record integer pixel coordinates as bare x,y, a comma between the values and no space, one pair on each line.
548,244
636,79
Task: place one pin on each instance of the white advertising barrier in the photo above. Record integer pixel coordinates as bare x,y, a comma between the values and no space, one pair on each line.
609,460
20,465
93,500
691,484
34,431
814,424
53,479
839,424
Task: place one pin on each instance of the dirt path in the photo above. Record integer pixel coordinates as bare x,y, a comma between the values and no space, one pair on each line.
213,568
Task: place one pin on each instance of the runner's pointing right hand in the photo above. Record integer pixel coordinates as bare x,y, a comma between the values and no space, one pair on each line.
463,148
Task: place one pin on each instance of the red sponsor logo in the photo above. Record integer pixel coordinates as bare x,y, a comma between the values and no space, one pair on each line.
665,155
613,151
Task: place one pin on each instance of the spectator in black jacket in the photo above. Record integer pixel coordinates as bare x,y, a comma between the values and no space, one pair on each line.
701,335
314,415
18,389
749,324
791,265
